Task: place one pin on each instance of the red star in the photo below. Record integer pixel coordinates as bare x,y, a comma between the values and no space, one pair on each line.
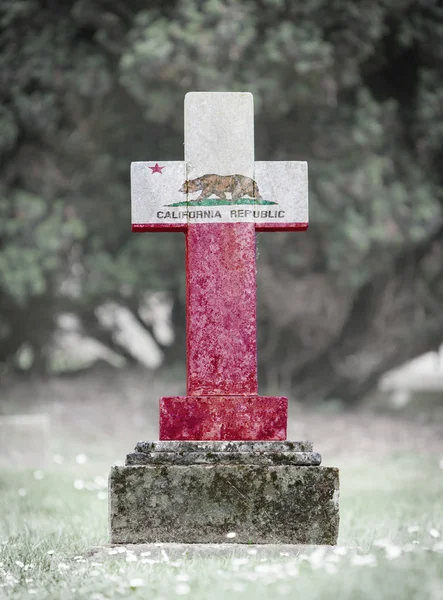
156,169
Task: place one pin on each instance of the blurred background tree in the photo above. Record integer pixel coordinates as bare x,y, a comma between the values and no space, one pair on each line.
354,88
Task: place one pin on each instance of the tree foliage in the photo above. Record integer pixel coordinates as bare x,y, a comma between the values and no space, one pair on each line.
354,88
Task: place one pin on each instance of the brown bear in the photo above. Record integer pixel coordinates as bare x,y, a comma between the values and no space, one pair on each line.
218,185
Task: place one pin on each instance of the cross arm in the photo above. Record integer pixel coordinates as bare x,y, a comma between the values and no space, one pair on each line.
283,188
274,199
157,204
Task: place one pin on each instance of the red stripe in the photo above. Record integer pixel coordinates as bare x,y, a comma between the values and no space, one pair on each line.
140,227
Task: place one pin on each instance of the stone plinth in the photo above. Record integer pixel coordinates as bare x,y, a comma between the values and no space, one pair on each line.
230,417
199,492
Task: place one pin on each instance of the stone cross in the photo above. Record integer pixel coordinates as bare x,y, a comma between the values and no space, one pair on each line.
219,197
222,470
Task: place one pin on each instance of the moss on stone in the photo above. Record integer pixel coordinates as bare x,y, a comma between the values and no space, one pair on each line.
275,504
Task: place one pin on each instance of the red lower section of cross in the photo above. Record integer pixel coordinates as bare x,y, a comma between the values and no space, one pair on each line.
223,418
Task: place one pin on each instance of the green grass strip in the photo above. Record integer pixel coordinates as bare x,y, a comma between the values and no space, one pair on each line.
219,202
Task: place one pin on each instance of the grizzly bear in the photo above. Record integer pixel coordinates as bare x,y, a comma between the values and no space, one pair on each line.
218,185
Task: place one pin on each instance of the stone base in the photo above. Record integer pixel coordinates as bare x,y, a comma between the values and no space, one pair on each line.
223,417
264,497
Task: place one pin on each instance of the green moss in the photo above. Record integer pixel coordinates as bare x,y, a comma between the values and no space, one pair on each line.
201,503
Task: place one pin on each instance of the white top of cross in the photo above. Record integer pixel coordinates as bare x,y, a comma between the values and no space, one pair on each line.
219,181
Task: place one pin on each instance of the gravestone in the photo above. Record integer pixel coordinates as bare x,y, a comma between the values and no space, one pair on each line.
222,470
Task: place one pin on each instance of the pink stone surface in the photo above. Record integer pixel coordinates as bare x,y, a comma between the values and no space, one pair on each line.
222,401
223,418
221,310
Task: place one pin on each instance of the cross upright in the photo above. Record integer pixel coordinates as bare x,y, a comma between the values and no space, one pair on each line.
219,197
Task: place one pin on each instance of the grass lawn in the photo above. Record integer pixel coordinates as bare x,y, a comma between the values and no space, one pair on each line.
391,505
392,510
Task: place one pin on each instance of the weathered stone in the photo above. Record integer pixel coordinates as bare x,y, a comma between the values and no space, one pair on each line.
202,503
208,458
228,446
199,494
223,417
